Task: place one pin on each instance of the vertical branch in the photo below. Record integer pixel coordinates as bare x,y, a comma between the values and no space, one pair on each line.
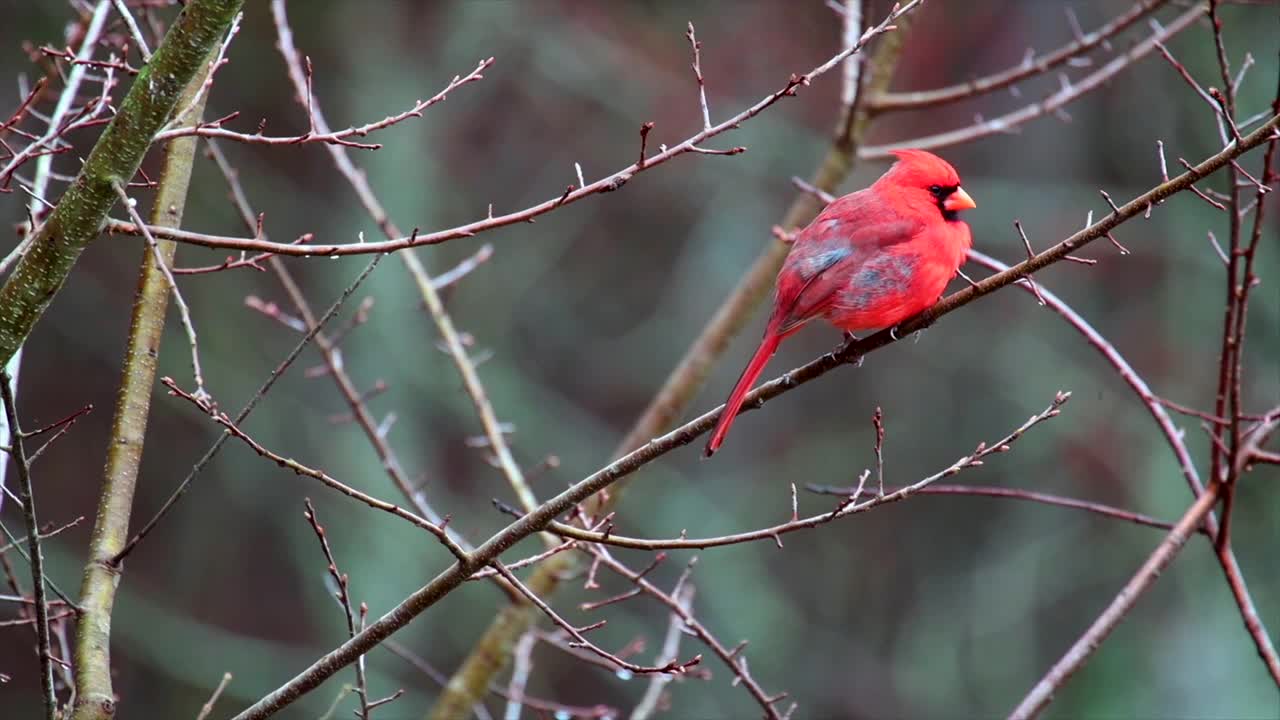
40,183
27,496
523,654
652,697
1226,558
426,288
95,699
343,595
1220,464
1239,286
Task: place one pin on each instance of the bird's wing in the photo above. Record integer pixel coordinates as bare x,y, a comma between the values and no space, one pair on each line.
831,251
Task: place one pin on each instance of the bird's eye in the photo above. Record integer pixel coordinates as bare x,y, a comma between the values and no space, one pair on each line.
936,190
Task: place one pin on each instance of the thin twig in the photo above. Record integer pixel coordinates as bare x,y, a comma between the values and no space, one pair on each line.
184,311
697,74
246,410
26,493
1118,610
1020,494
134,31
343,596
733,658
521,666
430,294
1050,105
849,506
207,709
608,183
1027,69
298,468
652,697
44,534
580,641
317,135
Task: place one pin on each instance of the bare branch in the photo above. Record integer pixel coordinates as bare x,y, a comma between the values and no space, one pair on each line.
1052,104
245,412
298,468
697,74
1030,67
343,596
608,183
26,495
340,137
1083,649
207,709
849,506
580,641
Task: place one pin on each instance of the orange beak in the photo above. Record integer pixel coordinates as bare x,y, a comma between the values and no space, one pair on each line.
959,200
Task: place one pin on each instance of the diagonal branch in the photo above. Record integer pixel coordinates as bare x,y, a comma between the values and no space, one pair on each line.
1080,652
80,214
606,184
670,402
1030,67
245,411
848,506
95,697
533,522
300,469
428,290
1155,406
1054,103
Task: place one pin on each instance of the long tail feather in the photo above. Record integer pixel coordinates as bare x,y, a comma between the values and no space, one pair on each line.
768,345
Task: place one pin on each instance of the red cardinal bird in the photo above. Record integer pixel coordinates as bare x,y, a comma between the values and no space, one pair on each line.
871,259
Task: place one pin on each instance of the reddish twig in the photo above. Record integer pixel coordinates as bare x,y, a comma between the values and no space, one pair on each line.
674,667
849,506
343,595
731,657
1052,104
214,128
298,468
606,184
1030,67
1020,494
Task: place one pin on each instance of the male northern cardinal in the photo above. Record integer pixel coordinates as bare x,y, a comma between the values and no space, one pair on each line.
871,259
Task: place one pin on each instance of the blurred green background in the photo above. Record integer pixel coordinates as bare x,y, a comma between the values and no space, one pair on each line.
936,607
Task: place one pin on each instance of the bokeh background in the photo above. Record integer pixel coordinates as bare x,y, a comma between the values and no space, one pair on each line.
936,607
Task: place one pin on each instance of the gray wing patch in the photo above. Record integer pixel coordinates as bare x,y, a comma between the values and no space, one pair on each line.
880,277
814,265
811,269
